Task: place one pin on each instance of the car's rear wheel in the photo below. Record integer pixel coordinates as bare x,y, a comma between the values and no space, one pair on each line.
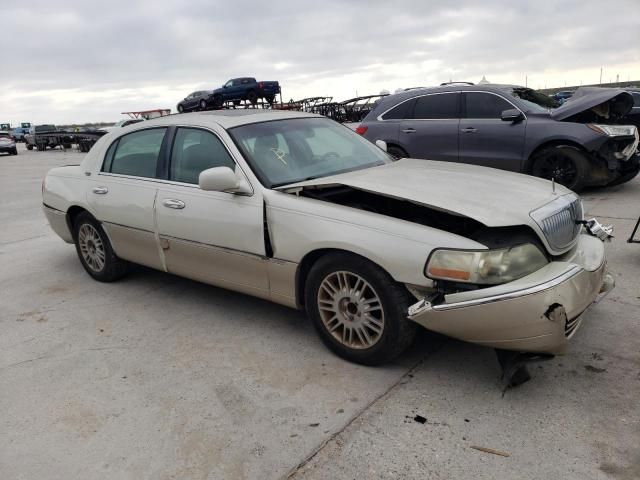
397,152
270,99
217,101
14,152
359,311
95,251
565,165
252,97
29,147
203,105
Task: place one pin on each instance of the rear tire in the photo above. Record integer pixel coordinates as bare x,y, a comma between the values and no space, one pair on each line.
29,147
95,251
270,99
15,151
203,105
358,310
252,97
568,166
397,152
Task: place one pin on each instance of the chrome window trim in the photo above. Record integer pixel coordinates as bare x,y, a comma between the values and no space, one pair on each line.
173,182
380,119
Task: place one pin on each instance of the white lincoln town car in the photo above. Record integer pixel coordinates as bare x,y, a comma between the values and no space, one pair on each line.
299,210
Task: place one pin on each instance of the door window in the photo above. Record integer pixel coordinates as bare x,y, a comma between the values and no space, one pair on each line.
442,105
195,150
485,105
400,112
135,154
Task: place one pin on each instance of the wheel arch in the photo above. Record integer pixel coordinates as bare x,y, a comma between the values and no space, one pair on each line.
307,262
528,165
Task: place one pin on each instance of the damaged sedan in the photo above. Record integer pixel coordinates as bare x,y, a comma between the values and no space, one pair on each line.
299,210
582,143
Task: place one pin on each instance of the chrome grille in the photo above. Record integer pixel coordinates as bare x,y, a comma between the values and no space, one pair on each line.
560,221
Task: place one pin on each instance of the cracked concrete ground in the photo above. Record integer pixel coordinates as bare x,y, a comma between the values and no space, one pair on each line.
163,378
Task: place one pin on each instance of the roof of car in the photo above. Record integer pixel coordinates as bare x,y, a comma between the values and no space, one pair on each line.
228,118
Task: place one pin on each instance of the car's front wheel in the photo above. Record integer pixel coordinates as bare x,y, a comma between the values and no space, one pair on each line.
203,105
359,311
566,165
180,109
95,251
14,152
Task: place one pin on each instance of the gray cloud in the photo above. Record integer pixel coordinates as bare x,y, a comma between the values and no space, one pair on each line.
82,61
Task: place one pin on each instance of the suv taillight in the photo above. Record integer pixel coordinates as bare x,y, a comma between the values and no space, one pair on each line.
362,129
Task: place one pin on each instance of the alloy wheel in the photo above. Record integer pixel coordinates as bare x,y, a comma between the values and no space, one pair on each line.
91,247
351,310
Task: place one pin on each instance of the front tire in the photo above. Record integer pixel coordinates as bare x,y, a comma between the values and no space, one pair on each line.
15,151
203,105
566,165
180,109
29,147
358,310
252,97
95,251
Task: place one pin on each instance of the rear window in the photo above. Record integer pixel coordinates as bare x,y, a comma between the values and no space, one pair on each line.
441,105
135,154
400,111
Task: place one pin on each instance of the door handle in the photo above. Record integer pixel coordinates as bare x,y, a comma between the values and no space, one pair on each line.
409,130
173,203
469,130
100,190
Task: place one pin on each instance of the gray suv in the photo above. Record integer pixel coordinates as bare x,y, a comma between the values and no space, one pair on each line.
512,128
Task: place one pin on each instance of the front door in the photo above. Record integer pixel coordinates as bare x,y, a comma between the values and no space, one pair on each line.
487,140
213,237
431,130
123,193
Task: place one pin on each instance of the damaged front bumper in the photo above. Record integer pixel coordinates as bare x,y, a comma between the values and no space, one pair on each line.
537,313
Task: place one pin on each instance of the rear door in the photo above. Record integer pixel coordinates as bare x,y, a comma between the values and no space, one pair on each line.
122,195
430,130
487,140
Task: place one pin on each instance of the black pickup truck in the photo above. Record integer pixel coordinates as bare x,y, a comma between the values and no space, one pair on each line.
235,90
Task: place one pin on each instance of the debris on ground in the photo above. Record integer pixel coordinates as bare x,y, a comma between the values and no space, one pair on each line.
420,419
491,450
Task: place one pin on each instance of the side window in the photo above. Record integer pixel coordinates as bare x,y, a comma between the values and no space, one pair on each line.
442,105
485,105
195,150
401,111
135,154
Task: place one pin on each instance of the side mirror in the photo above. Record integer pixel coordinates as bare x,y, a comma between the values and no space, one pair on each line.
224,86
222,179
511,115
382,145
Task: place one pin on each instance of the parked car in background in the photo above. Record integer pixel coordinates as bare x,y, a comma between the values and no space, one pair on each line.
19,133
245,88
563,96
512,128
8,143
200,100
295,208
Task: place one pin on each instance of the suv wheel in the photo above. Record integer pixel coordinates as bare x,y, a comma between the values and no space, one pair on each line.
397,152
566,165
358,310
203,105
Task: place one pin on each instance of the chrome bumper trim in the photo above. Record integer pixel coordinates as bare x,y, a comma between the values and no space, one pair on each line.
423,305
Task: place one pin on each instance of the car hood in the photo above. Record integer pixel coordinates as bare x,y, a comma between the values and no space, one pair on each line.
585,98
493,197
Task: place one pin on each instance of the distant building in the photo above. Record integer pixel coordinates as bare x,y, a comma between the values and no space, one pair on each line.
484,81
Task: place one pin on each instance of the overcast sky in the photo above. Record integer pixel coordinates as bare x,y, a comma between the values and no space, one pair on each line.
68,61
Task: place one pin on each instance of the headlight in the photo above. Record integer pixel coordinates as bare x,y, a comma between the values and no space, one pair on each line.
613,130
490,267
